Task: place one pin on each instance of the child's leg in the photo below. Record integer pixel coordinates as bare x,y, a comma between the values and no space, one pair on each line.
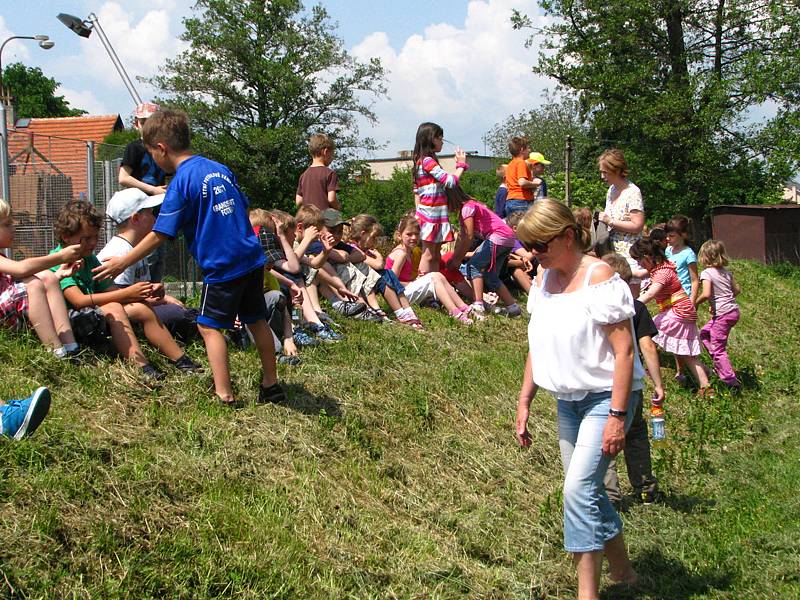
266,352
217,351
446,294
429,261
39,313
309,312
122,335
393,300
505,295
477,290
522,279
718,346
154,330
695,367
313,297
58,307
372,301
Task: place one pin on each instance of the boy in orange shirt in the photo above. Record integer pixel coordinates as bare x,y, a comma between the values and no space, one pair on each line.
520,184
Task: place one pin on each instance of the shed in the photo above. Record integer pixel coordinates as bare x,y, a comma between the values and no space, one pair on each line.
769,233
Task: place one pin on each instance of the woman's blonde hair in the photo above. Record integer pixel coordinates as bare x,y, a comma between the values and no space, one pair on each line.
547,219
5,209
713,254
613,159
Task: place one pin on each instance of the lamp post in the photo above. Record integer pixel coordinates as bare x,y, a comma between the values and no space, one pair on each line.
45,44
84,28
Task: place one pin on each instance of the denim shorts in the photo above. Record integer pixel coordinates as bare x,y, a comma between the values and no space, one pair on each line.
487,261
515,205
589,517
388,278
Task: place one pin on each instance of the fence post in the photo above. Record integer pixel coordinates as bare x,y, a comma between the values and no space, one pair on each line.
4,154
108,191
90,191
568,168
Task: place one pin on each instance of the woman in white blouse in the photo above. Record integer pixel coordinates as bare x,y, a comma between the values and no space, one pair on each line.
581,350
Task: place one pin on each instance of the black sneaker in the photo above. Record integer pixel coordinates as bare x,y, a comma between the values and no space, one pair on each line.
273,394
151,373
285,359
649,497
186,365
348,308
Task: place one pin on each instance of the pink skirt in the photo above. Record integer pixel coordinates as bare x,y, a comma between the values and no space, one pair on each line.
677,335
13,300
434,226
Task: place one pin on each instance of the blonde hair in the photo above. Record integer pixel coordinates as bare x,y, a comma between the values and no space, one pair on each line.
287,221
613,159
5,209
713,254
318,143
309,215
547,219
361,226
514,218
261,218
619,265
407,220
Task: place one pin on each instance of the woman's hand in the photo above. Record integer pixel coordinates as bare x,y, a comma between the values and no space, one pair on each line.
614,435
523,437
604,217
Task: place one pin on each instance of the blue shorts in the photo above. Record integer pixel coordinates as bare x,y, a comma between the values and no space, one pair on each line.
389,279
220,303
515,205
488,260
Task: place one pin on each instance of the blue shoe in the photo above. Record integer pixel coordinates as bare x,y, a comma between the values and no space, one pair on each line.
326,334
301,338
22,417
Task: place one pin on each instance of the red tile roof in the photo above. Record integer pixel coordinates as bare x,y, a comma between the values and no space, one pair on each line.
62,142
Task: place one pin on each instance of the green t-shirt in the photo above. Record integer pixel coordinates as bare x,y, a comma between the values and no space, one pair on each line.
83,278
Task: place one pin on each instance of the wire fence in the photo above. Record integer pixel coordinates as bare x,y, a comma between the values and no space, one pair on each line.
46,172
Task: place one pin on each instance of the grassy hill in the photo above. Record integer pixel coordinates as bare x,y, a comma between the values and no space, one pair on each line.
393,473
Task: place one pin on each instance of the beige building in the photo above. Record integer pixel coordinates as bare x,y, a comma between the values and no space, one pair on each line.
791,192
382,168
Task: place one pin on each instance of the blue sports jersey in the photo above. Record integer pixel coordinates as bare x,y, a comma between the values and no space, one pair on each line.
204,201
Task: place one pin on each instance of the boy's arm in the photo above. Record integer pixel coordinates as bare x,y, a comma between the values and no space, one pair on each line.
705,294
338,257
126,179
695,281
115,265
298,200
292,265
374,260
138,292
356,256
735,288
650,354
29,266
333,200
310,233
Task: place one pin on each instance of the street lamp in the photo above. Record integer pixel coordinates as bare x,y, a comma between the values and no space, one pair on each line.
84,29
45,43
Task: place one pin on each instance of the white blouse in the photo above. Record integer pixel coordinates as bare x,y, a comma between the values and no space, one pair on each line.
570,352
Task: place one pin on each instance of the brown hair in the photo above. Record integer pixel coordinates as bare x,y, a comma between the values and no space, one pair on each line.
309,215
619,265
677,224
361,226
583,217
643,247
547,219
168,127
71,218
287,221
613,159
514,218
319,142
516,144
407,220
713,254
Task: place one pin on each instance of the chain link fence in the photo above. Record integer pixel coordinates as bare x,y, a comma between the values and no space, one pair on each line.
46,172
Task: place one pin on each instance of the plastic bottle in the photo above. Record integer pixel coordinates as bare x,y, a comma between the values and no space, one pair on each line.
657,422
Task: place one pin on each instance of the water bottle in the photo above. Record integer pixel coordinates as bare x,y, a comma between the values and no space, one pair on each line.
296,314
657,422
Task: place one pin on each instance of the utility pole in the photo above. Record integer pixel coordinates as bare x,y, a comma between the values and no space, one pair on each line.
568,171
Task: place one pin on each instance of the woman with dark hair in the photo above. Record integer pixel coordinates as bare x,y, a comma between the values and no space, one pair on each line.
581,350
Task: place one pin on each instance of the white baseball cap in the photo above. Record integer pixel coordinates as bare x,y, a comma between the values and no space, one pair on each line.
129,201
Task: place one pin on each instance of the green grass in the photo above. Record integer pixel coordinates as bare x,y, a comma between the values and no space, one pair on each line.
393,473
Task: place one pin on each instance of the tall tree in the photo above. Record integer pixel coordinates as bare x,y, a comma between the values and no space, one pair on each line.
34,94
258,78
672,82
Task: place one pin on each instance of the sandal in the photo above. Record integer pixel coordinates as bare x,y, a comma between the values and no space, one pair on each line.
413,322
463,317
273,394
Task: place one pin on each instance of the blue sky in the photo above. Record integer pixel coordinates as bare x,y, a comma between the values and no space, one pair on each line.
454,62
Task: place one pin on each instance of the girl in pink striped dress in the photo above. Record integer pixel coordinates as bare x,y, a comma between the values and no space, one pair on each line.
430,181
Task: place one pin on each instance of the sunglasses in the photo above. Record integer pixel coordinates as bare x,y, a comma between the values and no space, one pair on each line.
542,247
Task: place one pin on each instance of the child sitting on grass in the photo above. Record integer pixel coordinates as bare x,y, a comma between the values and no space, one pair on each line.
489,257
29,290
205,203
363,234
521,264
79,223
20,418
430,286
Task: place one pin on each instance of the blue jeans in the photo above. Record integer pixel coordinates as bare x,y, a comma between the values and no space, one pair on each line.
589,517
515,205
388,278
486,255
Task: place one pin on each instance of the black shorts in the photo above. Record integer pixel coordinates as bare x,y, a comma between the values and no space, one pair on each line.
220,303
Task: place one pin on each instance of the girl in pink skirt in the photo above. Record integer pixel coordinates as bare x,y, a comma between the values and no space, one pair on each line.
677,317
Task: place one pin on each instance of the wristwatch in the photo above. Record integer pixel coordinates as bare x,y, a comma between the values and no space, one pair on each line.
617,413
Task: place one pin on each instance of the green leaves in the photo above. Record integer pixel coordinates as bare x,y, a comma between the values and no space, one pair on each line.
34,93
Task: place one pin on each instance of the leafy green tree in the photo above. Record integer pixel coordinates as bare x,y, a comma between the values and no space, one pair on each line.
34,94
258,78
671,83
114,143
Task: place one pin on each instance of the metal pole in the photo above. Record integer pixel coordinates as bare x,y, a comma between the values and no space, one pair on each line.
115,59
6,175
90,171
568,174
108,191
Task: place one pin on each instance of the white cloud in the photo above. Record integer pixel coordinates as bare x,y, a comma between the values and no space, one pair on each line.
15,50
85,100
466,78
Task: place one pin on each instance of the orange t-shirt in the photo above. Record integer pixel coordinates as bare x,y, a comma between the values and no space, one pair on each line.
516,169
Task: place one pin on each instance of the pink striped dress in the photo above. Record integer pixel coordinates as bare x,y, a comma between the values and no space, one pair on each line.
431,180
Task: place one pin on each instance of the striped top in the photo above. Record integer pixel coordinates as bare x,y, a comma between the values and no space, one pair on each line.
671,295
430,181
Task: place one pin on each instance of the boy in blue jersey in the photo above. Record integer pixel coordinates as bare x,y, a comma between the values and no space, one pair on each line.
205,203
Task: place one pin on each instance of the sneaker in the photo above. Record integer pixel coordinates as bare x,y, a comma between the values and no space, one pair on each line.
240,338
186,365
20,418
477,312
369,315
648,497
273,394
326,334
292,361
681,380
348,308
325,318
302,339
510,312
151,373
